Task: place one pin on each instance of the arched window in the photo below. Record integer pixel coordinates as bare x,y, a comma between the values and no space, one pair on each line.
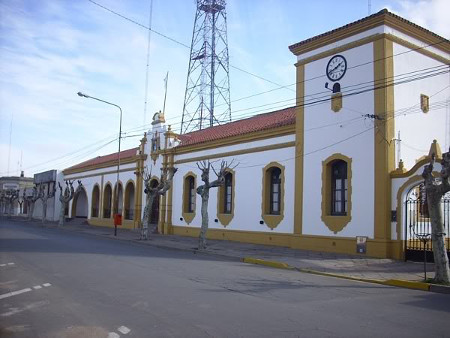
336,192
273,194
225,199
339,188
95,201
190,194
189,197
129,201
107,194
118,202
275,191
227,193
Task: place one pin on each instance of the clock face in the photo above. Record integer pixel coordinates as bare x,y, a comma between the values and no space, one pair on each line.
336,67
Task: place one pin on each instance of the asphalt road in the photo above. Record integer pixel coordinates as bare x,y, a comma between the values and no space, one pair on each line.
77,285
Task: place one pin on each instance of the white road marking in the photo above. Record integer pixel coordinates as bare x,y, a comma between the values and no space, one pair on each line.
10,263
113,335
5,264
123,329
2,264
15,310
14,293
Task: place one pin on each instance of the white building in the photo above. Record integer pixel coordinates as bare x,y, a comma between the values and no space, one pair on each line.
314,176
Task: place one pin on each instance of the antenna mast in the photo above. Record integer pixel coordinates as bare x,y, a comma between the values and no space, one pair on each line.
207,95
148,60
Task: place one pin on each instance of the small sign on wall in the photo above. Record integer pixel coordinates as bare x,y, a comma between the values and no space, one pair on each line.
361,244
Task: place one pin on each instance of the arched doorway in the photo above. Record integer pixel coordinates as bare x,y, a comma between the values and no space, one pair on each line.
118,204
95,201
107,194
418,224
129,201
154,216
80,205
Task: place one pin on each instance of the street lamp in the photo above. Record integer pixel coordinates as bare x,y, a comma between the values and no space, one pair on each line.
116,217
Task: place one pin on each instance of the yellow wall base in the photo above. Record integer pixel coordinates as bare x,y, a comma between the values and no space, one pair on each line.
345,245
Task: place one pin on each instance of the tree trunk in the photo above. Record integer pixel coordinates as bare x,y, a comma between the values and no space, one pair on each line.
31,210
44,210
204,228
147,215
62,213
11,208
441,263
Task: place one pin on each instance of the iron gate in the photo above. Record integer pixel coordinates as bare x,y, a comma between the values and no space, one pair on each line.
418,226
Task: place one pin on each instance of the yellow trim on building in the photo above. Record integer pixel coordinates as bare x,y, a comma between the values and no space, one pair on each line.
370,39
299,148
384,155
238,152
272,220
365,24
225,218
344,245
188,216
96,185
128,160
169,200
249,137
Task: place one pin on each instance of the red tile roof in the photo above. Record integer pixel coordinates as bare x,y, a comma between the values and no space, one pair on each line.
256,123
380,13
104,159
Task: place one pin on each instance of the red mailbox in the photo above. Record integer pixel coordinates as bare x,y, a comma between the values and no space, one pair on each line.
117,219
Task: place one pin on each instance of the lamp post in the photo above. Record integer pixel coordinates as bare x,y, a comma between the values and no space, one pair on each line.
116,217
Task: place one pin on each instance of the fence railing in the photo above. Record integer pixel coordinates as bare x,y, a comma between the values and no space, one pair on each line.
418,229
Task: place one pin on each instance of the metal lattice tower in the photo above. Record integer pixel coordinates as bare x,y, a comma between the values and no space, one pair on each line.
207,96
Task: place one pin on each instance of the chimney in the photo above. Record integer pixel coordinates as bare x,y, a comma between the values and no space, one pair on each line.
22,174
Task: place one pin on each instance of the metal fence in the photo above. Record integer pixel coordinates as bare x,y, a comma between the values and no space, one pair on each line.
418,228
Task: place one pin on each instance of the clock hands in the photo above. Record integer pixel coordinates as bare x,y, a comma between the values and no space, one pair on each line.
334,69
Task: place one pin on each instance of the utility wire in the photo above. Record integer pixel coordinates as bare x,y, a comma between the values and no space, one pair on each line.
280,86
313,99
179,43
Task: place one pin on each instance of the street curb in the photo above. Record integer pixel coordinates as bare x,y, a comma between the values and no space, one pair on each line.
329,274
407,284
272,264
440,289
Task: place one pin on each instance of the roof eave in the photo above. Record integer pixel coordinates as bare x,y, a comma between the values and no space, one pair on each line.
383,17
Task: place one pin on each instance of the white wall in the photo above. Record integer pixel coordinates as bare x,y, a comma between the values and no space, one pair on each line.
346,132
91,181
417,129
248,187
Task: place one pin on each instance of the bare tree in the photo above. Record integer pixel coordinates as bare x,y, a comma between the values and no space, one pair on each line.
203,191
12,195
2,201
20,205
31,200
45,197
65,198
163,186
436,188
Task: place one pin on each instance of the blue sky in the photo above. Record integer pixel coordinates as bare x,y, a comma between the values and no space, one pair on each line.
50,50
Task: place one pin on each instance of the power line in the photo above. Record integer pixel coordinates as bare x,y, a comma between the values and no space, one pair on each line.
312,99
280,86
403,112
176,41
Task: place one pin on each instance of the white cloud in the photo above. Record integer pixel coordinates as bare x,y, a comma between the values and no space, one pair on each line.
430,14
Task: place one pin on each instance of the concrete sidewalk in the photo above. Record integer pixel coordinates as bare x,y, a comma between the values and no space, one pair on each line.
383,271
